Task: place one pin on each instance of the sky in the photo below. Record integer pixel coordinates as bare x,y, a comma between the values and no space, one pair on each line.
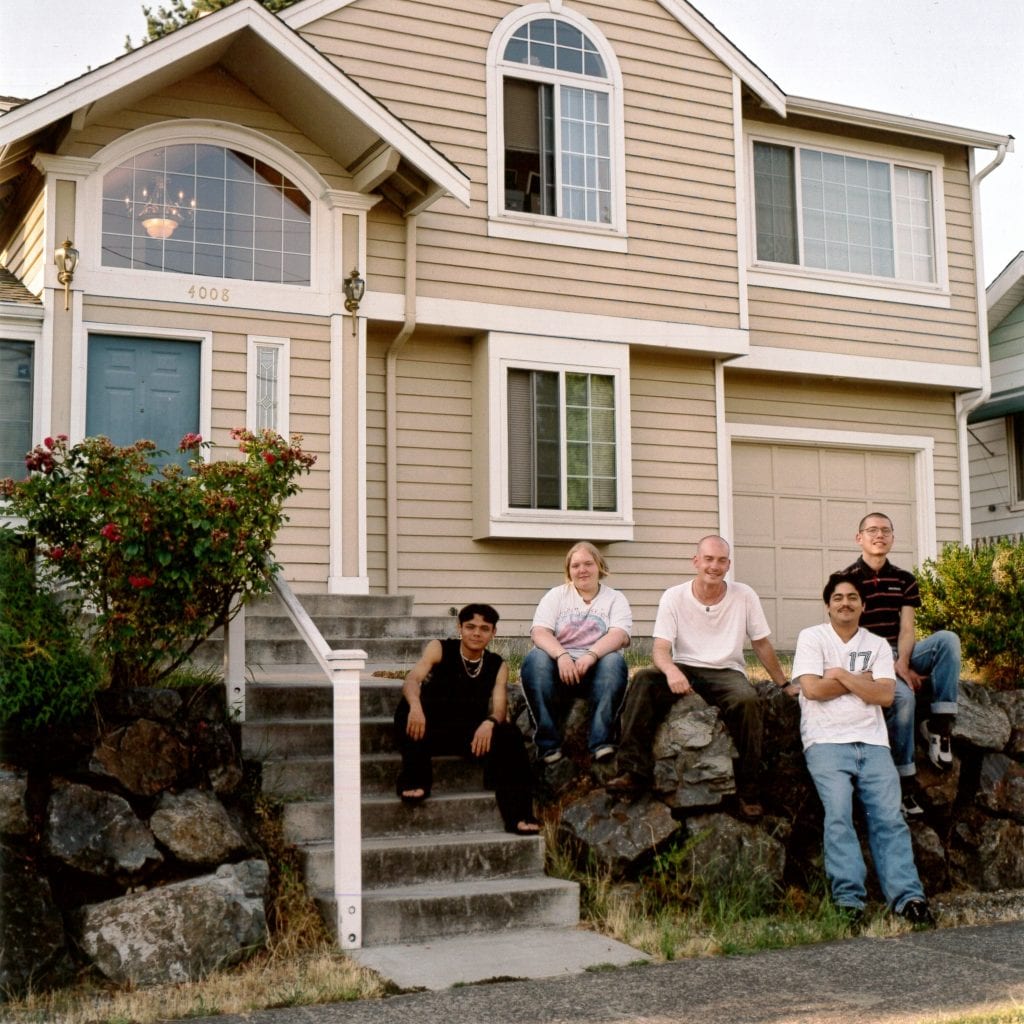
953,61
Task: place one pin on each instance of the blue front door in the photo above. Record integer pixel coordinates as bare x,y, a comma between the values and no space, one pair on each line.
142,388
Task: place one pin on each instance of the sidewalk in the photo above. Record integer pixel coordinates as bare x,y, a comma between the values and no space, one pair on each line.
917,977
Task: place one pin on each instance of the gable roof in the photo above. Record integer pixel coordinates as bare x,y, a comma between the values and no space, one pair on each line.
1006,292
277,65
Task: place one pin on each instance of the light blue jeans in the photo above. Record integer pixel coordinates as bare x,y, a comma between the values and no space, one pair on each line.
938,657
841,770
603,686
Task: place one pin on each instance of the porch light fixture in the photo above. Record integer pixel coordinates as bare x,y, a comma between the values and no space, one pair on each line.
66,258
354,287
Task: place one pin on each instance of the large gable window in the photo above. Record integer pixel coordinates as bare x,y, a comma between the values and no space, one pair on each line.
206,210
844,213
555,131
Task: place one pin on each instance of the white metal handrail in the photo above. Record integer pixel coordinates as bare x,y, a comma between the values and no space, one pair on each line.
342,668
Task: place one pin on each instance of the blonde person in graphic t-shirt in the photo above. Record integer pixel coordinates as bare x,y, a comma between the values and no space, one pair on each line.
578,631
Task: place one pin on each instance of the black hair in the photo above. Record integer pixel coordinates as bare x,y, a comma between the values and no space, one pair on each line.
842,577
874,515
485,611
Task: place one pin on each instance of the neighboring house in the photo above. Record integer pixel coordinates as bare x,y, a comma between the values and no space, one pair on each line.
997,427
619,286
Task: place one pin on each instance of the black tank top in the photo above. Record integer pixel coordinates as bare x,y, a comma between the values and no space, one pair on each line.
450,686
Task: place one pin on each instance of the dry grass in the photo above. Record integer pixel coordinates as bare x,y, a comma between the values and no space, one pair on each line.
269,979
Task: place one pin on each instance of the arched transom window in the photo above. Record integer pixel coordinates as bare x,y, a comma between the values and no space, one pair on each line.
194,208
557,122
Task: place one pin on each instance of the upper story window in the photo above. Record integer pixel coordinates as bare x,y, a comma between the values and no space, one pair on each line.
555,133
206,210
844,213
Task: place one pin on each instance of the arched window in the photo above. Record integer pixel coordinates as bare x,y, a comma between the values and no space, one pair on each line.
559,99
194,208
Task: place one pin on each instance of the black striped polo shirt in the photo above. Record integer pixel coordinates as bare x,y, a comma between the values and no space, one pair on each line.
886,591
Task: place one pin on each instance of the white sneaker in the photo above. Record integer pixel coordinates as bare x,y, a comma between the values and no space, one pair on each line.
910,807
603,753
552,756
940,750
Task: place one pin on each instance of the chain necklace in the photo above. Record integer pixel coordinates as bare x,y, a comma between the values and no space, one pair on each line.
471,668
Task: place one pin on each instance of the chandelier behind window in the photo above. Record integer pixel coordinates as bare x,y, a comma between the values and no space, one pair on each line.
159,213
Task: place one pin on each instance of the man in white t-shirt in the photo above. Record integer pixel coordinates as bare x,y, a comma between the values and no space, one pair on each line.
699,634
846,677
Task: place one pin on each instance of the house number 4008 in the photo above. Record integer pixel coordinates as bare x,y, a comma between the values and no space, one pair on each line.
205,294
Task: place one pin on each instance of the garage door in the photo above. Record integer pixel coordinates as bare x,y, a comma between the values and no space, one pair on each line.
796,511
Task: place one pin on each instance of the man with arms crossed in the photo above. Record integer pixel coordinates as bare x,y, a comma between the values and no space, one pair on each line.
931,664
698,645
846,677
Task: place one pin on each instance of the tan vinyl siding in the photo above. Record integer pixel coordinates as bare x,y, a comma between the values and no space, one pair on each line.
211,94
303,542
820,404
680,193
23,254
674,488
804,320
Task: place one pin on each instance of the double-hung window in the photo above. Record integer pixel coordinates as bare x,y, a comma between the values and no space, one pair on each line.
555,126
556,459
844,213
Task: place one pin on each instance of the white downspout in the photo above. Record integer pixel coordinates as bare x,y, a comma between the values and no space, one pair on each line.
967,402
390,405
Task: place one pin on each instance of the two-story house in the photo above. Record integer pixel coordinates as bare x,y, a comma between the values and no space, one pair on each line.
997,427
618,286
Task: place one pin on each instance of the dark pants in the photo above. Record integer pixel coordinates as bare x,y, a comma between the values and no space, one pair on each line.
506,765
648,702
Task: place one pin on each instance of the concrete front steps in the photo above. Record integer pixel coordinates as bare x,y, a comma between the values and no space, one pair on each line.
443,869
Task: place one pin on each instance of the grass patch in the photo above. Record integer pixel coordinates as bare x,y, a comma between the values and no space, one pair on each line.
1006,1015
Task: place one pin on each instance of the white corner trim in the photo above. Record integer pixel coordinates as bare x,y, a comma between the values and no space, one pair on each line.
863,368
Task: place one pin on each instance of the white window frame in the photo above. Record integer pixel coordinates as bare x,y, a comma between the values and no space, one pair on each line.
31,335
544,228
797,277
282,384
496,353
218,293
1015,463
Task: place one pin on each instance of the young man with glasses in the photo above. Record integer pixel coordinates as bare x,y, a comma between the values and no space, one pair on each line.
930,665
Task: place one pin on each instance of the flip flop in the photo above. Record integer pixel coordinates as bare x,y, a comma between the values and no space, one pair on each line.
410,799
527,827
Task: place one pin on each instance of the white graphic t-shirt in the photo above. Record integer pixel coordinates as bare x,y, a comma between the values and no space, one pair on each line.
578,625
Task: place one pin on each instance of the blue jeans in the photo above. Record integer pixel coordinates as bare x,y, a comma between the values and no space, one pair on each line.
546,694
839,771
938,657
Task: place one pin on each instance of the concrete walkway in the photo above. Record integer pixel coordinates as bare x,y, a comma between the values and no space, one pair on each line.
918,977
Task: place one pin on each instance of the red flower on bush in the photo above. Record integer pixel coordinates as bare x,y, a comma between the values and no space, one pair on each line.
140,582
48,441
56,554
190,442
269,458
111,532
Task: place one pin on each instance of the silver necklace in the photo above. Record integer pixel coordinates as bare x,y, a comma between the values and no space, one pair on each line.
477,666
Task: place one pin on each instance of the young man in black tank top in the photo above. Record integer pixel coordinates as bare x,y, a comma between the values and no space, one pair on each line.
455,701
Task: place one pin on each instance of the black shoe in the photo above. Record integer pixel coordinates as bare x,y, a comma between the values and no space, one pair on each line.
626,784
910,807
918,914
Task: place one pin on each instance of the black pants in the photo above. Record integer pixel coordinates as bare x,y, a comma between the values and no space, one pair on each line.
648,702
506,765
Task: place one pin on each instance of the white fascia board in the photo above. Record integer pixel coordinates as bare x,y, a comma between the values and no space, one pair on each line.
1006,292
880,121
218,28
734,59
722,342
862,368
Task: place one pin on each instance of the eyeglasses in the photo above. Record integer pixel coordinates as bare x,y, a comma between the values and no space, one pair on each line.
877,531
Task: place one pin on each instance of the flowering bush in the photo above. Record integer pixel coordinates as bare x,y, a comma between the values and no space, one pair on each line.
979,594
160,557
